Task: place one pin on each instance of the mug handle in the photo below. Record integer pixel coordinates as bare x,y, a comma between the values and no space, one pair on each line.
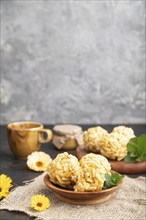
41,139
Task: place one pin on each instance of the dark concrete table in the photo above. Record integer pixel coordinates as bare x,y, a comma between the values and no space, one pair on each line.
19,172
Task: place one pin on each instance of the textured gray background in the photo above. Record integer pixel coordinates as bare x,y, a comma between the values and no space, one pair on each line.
73,61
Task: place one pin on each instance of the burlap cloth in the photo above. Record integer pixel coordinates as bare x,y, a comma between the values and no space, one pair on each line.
128,203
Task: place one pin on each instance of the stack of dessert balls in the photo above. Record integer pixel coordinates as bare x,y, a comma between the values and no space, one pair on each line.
84,175
88,173
111,145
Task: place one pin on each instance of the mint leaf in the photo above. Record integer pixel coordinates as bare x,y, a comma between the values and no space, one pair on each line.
112,180
129,159
142,144
108,178
134,154
131,145
136,149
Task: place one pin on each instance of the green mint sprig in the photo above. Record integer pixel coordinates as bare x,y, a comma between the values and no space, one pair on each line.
136,149
112,180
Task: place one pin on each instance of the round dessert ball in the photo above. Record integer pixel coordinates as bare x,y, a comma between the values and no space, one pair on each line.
114,144
93,167
64,170
93,138
123,130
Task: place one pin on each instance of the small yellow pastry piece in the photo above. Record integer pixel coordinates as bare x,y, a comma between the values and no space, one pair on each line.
93,167
64,170
93,138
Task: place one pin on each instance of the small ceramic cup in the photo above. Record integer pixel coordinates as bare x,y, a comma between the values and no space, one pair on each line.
26,137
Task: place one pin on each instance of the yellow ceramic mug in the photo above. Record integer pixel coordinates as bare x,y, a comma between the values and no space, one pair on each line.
26,137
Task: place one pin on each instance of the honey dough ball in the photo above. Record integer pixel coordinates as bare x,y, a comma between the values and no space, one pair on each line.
114,146
126,131
93,167
64,170
93,138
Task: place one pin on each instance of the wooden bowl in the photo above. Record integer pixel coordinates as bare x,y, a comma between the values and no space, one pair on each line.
81,198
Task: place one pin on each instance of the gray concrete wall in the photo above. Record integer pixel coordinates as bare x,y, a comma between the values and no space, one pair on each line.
73,61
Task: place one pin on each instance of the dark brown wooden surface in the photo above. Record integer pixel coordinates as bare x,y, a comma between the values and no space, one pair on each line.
19,172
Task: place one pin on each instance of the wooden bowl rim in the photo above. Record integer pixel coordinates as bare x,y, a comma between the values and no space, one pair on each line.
121,166
55,188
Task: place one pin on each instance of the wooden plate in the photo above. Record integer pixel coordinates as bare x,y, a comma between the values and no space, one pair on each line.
119,166
81,198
